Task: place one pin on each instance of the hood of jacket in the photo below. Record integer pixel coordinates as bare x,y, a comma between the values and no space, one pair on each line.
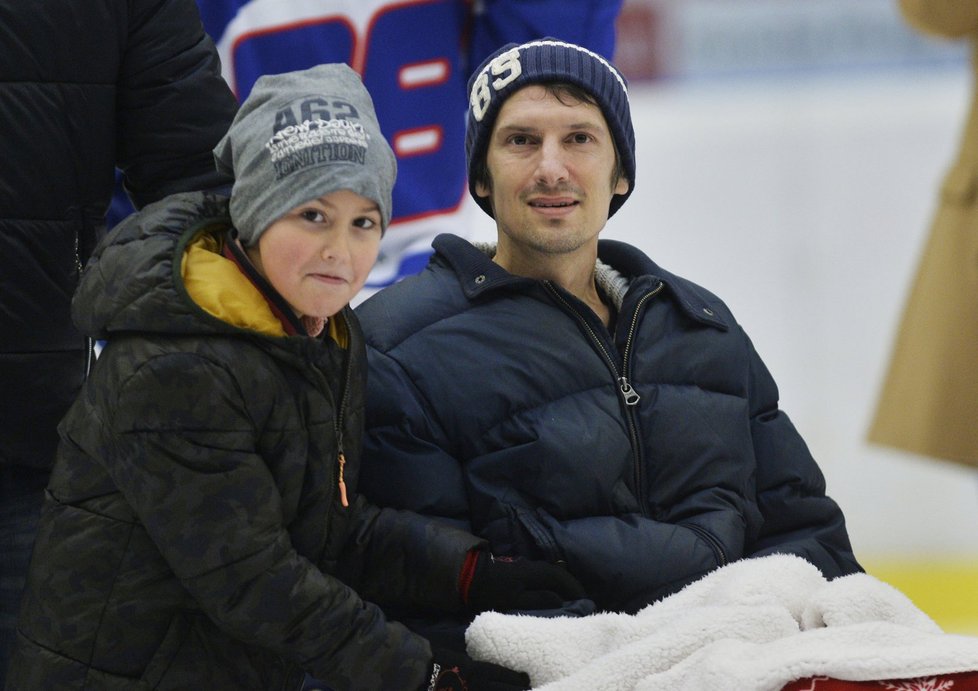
135,274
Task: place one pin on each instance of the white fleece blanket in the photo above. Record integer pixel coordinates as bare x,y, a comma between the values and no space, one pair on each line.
754,624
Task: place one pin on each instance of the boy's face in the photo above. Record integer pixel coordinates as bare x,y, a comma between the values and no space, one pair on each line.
318,255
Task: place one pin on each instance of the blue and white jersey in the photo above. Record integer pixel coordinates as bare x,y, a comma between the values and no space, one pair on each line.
415,58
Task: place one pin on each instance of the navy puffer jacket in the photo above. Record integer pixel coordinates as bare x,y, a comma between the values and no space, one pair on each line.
643,457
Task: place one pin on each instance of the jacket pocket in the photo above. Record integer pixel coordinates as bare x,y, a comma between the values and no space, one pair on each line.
196,654
719,554
533,538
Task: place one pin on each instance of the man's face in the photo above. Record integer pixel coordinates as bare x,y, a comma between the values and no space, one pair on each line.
551,164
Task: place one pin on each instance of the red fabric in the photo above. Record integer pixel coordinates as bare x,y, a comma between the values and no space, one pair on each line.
963,681
467,573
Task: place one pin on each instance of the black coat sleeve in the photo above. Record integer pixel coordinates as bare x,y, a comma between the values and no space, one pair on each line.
173,105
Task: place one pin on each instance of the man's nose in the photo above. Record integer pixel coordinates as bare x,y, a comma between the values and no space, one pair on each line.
551,166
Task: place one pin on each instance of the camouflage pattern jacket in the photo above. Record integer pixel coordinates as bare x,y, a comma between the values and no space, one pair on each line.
193,536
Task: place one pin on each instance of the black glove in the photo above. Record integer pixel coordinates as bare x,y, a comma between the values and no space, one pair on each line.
504,584
454,671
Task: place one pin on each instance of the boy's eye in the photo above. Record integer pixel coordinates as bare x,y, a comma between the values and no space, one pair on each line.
312,215
365,222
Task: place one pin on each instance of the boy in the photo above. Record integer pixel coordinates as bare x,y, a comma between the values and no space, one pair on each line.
201,528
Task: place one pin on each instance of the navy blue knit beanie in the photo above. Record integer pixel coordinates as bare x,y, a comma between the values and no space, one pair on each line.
544,61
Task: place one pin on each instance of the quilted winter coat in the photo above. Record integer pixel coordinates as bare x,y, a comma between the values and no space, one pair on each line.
643,457
85,87
929,401
193,535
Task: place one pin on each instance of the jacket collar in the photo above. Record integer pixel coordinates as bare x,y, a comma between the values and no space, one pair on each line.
698,303
621,267
290,323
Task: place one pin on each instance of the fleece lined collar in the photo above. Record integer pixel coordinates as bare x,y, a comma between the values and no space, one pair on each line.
611,283
619,268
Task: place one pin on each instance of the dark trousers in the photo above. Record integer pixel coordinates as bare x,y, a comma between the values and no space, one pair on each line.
21,494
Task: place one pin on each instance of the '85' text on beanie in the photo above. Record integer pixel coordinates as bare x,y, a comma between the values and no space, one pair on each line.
547,61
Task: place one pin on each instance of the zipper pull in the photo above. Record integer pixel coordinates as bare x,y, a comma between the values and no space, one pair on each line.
630,395
342,483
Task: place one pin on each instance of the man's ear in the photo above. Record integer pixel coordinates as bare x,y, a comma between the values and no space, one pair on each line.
482,189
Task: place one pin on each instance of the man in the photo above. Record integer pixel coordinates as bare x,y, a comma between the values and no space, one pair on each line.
566,398
84,88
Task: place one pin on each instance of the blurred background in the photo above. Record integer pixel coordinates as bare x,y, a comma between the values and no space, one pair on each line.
789,158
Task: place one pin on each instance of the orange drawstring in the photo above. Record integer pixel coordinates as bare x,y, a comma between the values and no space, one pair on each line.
342,483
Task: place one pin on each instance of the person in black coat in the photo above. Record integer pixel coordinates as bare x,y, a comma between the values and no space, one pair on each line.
84,88
564,397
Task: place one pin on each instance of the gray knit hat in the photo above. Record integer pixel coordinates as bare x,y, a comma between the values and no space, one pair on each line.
299,136
545,61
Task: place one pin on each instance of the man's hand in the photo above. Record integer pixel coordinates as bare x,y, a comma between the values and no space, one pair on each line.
505,584
454,671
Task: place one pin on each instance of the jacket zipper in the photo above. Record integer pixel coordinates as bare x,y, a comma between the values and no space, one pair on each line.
339,414
89,341
632,426
628,394
78,260
626,387
718,554
338,421
340,459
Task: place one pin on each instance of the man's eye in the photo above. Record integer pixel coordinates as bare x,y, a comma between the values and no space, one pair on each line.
581,138
520,139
